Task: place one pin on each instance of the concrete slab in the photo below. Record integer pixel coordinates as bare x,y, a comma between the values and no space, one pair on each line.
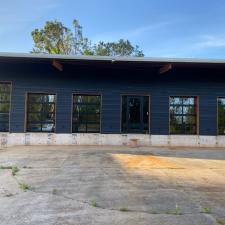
112,185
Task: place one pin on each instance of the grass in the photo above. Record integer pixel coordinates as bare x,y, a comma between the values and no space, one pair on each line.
15,170
24,187
5,167
220,221
124,209
206,210
176,211
94,204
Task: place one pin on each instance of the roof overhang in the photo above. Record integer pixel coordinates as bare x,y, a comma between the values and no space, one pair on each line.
164,64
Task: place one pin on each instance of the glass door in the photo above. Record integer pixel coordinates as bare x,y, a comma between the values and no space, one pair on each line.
135,114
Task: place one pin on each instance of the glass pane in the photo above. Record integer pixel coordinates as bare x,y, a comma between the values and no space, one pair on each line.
221,116
94,99
176,100
4,97
48,117
35,107
176,109
188,101
80,99
79,128
34,117
189,120
35,98
48,127
4,117
79,109
48,107
4,107
95,118
93,127
4,126
93,109
5,87
221,101
33,127
49,98
188,110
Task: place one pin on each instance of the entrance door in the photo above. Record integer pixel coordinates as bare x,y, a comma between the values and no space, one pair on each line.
135,114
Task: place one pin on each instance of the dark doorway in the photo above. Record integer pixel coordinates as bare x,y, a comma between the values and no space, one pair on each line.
135,114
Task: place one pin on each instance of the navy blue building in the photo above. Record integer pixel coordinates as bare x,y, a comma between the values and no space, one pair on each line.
107,95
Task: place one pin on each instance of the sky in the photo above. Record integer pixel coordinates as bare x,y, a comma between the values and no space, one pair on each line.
162,28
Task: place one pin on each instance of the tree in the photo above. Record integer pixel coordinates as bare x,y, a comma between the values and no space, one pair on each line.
120,48
55,38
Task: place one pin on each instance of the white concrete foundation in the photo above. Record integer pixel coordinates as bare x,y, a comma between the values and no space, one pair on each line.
14,139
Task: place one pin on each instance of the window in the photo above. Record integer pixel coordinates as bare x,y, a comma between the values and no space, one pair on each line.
5,98
41,113
221,116
135,114
183,115
86,114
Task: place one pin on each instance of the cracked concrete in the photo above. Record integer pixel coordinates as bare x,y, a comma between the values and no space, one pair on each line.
112,185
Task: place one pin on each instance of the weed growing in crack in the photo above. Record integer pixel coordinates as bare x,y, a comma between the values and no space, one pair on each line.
15,170
94,204
5,167
206,210
24,187
124,209
220,221
177,211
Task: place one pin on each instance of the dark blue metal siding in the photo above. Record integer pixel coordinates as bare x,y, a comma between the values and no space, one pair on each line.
111,84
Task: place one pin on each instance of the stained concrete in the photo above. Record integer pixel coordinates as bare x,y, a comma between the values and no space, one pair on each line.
26,139
112,185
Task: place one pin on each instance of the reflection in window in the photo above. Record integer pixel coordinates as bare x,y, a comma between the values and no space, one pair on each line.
86,114
5,97
221,116
41,113
183,115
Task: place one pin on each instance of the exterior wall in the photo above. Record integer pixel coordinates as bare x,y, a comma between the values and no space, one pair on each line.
111,83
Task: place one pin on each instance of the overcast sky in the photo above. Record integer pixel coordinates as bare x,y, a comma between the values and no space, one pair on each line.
162,28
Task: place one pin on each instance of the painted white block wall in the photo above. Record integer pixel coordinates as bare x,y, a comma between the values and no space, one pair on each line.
15,139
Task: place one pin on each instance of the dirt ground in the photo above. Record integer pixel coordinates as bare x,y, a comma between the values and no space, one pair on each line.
71,185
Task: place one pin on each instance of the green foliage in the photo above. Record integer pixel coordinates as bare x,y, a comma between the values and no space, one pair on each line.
24,187
55,38
6,167
15,170
206,210
94,204
119,48
124,209
220,221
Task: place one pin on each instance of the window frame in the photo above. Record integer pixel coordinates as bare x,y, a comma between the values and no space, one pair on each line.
26,111
10,105
149,108
100,113
217,115
197,112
